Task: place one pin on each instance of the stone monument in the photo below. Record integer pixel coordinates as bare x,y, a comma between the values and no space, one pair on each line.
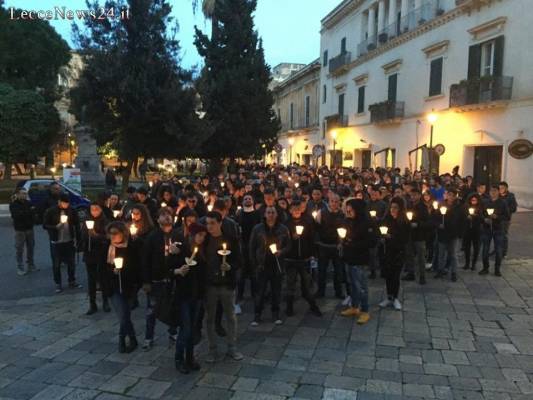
87,160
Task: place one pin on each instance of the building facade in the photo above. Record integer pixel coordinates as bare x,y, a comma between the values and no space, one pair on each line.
388,64
296,105
283,71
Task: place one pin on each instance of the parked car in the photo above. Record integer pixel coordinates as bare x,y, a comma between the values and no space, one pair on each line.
38,191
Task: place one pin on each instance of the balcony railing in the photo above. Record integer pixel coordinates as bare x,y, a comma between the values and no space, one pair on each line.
481,90
429,10
386,111
339,63
336,121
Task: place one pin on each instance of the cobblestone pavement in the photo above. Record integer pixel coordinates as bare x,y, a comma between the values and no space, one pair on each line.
472,339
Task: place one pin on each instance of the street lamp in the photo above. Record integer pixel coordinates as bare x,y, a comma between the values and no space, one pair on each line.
291,143
432,119
334,137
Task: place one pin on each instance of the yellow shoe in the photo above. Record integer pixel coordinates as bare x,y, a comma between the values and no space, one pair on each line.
350,312
363,318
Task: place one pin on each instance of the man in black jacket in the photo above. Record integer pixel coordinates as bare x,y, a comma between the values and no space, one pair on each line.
63,227
301,229
420,228
159,258
510,200
496,215
23,217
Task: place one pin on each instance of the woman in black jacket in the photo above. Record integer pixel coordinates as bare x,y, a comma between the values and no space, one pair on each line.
95,244
190,286
395,241
474,211
121,284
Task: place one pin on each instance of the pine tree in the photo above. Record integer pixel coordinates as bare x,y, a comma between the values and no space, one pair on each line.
234,84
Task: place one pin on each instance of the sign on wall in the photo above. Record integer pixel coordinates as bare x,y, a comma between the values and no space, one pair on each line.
72,178
520,149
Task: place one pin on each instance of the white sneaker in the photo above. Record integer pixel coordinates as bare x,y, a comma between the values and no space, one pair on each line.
385,303
147,345
397,305
278,322
21,271
238,309
254,323
347,301
428,266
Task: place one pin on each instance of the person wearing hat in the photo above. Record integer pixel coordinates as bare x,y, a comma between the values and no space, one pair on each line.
63,227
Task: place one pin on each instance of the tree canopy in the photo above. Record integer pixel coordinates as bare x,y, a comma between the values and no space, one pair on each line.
234,83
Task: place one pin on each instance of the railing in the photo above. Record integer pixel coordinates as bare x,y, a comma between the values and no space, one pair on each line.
481,90
336,121
386,111
429,10
341,61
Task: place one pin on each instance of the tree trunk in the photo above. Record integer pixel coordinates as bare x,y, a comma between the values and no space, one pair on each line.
214,166
32,172
136,168
126,172
7,172
19,171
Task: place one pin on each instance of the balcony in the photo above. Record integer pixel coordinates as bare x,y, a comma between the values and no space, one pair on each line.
336,121
481,91
386,112
429,10
339,64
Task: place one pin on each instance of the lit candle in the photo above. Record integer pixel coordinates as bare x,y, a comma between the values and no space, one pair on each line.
63,219
296,185
119,262
116,213
204,194
342,232
239,208
373,213
315,214
89,224
273,248
150,183
443,210
224,246
384,230
133,230
409,215
176,219
435,204
210,207
471,211
163,204
490,211
299,229
222,184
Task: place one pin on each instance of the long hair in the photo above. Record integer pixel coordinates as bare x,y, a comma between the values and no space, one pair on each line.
146,223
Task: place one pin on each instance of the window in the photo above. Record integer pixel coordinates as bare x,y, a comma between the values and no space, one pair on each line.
307,110
279,114
341,106
435,77
291,116
324,94
325,61
393,84
343,45
487,58
361,100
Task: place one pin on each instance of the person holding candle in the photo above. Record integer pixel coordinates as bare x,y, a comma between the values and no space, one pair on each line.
301,227
420,222
510,199
474,211
394,238
360,238
94,244
121,280
377,209
148,202
221,280
496,213
451,225
141,221
269,244
160,250
23,216
63,227
189,275
329,219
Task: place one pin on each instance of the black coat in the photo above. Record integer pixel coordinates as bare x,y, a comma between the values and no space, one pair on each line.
423,220
262,237
395,245
22,214
454,222
155,265
501,211
305,243
192,285
52,218
98,246
130,275
360,237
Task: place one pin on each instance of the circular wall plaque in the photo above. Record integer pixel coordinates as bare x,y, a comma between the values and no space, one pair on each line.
318,150
439,149
520,149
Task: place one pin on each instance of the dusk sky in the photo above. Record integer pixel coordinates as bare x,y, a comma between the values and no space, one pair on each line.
289,28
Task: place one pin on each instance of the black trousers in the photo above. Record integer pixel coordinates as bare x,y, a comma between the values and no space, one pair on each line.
94,278
471,241
64,253
393,270
265,278
299,269
244,274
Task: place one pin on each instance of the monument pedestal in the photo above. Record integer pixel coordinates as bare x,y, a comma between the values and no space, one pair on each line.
88,160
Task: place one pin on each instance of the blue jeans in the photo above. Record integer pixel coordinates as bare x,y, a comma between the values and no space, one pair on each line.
185,343
498,238
151,302
359,286
448,256
325,254
122,307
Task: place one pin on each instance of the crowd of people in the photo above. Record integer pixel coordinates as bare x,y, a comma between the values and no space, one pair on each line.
195,247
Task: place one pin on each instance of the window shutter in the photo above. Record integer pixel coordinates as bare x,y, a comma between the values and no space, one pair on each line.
393,81
341,105
343,45
361,100
325,61
435,77
498,56
474,61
